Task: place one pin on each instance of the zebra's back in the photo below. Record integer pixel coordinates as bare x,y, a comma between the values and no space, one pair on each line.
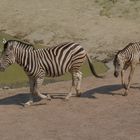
62,58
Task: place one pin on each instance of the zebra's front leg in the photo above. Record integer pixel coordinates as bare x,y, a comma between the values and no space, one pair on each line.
129,79
30,102
122,79
32,84
38,83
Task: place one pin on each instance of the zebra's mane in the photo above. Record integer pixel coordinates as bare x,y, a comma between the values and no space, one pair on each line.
124,48
23,45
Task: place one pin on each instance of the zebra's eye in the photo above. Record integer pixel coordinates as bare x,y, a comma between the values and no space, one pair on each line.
6,55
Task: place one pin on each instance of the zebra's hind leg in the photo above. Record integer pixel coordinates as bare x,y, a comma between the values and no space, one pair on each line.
76,82
70,92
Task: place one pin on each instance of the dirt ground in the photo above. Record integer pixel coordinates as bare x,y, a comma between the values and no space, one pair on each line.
101,113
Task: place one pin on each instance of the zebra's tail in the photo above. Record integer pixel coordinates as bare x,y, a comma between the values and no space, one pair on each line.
92,68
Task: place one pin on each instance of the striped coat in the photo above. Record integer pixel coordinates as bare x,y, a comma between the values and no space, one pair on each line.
51,62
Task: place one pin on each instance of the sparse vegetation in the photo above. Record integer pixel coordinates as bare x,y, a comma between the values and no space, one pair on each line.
115,8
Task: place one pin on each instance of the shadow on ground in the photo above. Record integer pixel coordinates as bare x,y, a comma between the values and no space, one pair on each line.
22,98
107,89
18,99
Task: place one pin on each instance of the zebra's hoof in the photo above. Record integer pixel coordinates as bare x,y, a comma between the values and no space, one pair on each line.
78,94
66,98
125,87
49,97
29,103
125,94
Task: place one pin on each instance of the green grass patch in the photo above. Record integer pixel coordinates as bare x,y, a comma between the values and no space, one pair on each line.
14,76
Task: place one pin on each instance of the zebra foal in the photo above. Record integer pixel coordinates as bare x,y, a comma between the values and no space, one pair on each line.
50,62
127,57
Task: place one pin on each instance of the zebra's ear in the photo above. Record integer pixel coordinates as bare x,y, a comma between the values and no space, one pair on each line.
116,51
10,48
4,41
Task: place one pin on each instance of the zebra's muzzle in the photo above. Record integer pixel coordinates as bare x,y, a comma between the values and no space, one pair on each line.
116,74
2,69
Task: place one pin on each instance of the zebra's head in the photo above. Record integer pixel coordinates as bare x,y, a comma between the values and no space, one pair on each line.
118,64
7,56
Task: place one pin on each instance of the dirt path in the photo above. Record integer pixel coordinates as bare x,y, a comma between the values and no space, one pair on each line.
97,115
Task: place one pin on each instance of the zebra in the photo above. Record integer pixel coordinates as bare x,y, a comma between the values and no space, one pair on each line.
46,62
127,57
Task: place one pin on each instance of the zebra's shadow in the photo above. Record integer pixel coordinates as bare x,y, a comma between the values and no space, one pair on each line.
106,89
21,98
18,99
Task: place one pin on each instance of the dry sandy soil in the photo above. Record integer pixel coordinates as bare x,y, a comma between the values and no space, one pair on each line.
101,113
97,114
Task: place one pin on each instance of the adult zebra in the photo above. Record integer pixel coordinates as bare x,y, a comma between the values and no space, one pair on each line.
51,62
129,56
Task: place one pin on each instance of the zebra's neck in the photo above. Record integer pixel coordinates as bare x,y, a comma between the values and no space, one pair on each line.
23,56
125,55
